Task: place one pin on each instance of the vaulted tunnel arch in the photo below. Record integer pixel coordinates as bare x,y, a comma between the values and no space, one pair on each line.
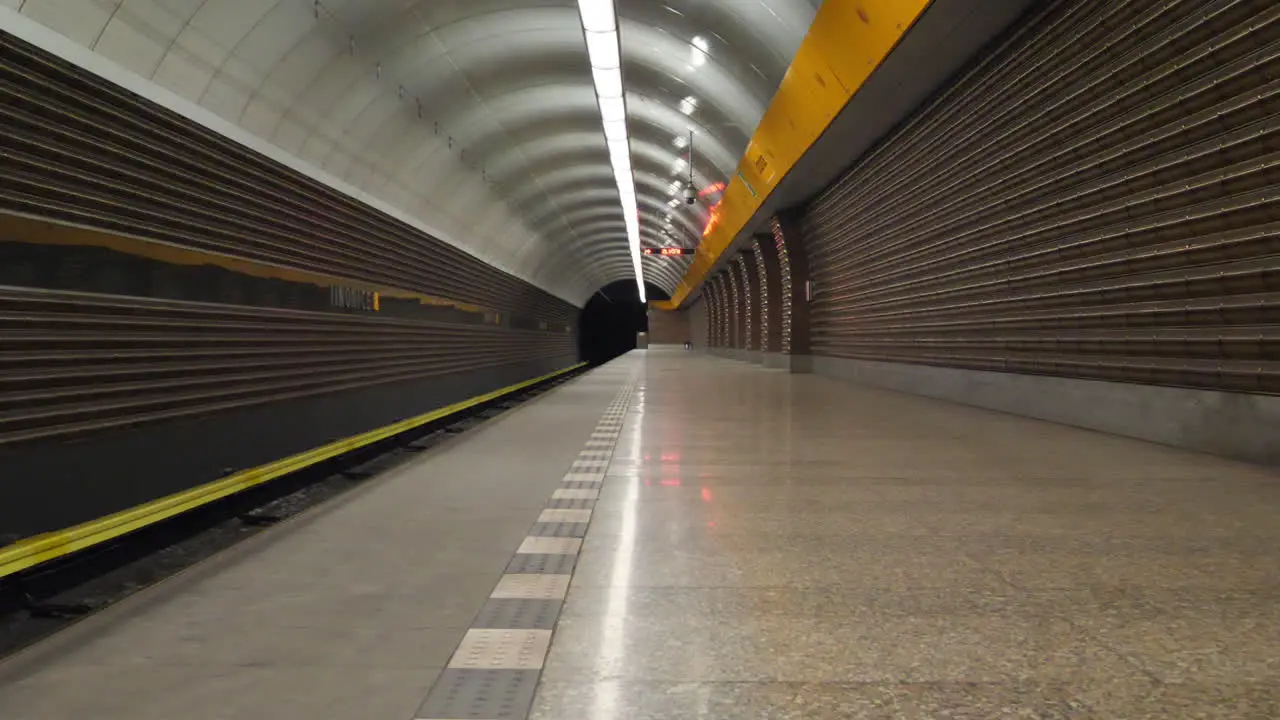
476,119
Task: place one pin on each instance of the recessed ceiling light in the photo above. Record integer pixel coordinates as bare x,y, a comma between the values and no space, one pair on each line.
698,51
600,30
597,15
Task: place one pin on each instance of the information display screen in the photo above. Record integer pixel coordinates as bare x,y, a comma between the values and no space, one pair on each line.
667,251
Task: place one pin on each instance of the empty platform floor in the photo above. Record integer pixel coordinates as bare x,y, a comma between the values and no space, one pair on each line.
779,546
760,546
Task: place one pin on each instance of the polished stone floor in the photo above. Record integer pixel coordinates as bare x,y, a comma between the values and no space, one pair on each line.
779,546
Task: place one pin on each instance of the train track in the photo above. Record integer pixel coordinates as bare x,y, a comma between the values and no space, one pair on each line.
44,599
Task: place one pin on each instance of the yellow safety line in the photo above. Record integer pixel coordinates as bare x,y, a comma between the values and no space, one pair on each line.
42,548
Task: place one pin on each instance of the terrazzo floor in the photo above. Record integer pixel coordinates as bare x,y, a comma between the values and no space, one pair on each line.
768,545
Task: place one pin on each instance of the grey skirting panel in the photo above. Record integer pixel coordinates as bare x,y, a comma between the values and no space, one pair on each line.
52,485
749,356
1236,425
797,364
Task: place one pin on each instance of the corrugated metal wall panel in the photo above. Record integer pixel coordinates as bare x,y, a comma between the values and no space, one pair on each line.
73,363
78,149
1099,198
700,322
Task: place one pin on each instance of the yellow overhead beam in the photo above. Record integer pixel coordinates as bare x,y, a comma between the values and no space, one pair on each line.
847,41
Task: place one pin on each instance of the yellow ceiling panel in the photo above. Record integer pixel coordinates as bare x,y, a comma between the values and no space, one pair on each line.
847,41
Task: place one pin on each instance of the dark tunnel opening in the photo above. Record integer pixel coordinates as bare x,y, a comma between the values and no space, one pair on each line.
608,325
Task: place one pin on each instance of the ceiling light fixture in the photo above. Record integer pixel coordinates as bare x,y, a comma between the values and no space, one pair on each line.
698,51
600,29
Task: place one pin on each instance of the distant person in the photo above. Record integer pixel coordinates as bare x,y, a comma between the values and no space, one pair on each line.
688,345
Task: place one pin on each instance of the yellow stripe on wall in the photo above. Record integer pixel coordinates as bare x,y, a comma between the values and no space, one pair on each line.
846,42
42,548
47,232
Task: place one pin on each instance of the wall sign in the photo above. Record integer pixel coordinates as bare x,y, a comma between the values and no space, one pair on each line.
347,298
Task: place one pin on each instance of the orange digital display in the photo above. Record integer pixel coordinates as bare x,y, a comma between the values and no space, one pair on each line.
667,251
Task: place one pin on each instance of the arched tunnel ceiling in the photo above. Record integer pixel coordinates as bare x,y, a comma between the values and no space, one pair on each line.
476,117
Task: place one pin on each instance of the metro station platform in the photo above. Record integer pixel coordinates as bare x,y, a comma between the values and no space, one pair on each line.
677,536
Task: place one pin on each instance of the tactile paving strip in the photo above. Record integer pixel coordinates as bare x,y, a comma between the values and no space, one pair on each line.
563,504
559,529
502,648
550,546
575,494
553,515
546,564
494,673
518,614
532,587
481,695
590,464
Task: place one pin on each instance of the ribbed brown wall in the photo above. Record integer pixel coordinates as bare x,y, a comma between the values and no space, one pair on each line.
109,400
1100,198
75,363
700,321
750,281
737,316
76,148
720,295
767,271
669,327
793,274
712,301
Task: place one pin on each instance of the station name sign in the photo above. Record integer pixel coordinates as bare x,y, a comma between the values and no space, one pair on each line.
346,298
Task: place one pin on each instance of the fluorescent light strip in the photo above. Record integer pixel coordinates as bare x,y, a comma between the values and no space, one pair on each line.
600,28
